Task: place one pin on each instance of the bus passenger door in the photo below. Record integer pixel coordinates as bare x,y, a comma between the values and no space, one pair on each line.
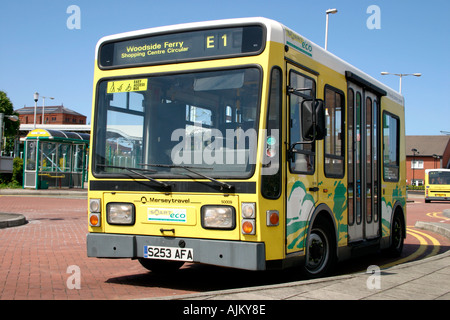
372,222
363,165
301,191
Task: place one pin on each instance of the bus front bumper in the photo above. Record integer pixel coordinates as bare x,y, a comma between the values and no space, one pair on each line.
234,254
432,198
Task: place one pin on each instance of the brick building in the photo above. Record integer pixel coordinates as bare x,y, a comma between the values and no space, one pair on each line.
52,115
425,152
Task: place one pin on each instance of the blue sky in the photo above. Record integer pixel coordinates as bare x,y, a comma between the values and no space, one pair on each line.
38,52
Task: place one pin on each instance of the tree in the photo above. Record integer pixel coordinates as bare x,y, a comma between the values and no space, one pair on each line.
11,127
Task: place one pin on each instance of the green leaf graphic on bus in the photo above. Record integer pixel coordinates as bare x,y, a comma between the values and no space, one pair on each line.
300,204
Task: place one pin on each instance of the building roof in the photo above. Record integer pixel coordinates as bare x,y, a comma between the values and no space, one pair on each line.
48,110
63,127
58,134
26,128
427,145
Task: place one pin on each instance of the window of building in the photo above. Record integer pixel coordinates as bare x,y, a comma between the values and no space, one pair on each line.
417,164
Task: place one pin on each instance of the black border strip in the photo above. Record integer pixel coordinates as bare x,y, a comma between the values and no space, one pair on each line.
301,66
364,83
176,186
176,61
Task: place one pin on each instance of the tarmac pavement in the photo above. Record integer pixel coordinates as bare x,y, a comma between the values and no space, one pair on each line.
426,279
8,220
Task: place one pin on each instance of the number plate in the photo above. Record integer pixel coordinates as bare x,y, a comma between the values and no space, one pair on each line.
168,253
440,195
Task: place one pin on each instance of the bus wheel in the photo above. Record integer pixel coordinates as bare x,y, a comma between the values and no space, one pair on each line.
160,266
320,256
397,237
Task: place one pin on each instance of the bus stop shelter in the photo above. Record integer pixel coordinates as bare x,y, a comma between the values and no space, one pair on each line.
55,159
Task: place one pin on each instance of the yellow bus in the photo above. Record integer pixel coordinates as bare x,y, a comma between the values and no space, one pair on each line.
240,143
437,185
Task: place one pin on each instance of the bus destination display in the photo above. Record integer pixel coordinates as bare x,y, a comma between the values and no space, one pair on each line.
192,45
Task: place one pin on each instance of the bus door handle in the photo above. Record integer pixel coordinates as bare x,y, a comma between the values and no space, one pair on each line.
315,189
167,230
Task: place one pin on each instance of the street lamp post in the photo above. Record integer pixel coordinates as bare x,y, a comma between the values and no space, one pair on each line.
414,150
436,160
43,107
332,11
401,75
36,98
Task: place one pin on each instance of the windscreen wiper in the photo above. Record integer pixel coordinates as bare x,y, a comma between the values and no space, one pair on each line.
222,184
136,172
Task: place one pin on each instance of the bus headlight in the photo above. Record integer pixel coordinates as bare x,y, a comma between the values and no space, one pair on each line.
218,217
120,213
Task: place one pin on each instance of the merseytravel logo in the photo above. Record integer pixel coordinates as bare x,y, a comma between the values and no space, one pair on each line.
295,41
166,215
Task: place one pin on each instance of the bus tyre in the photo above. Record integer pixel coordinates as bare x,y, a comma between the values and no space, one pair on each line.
397,235
161,266
320,251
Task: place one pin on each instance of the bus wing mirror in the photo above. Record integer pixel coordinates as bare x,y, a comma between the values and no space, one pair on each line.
320,120
313,120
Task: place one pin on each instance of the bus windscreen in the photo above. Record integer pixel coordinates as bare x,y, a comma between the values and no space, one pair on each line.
439,177
183,46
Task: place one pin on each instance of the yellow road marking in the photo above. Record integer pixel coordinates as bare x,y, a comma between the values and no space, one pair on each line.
437,215
434,241
423,245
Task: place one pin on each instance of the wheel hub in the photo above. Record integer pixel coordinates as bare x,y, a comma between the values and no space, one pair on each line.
317,251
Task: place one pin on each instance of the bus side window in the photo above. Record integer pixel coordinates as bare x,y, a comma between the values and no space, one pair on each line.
391,151
334,144
271,173
302,160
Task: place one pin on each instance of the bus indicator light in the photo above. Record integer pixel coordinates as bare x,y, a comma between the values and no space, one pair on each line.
273,218
248,210
248,226
95,205
94,219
